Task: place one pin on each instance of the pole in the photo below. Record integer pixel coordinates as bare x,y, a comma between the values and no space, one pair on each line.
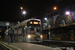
7,30
24,16
49,33
7,36
7,26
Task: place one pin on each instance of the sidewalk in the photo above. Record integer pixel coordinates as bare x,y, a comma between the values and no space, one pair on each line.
9,46
28,46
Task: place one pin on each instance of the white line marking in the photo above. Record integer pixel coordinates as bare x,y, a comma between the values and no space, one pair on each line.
12,46
6,46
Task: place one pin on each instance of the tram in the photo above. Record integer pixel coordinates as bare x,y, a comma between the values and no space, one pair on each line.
28,31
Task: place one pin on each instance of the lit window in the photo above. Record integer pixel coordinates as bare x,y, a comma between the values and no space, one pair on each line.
30,22
39,23
35,22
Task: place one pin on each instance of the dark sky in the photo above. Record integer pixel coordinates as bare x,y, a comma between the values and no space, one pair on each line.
10,9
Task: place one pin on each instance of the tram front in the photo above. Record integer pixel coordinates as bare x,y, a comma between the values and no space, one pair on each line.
34,32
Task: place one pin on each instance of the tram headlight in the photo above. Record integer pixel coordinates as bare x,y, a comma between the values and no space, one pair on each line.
41,36
31,22
29,36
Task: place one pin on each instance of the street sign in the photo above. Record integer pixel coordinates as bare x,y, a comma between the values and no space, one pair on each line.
6,32
49,25
7,23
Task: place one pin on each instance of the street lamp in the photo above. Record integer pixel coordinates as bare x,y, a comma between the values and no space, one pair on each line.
67,12
46,21
21,8
55,8
45,18
47,26
24,12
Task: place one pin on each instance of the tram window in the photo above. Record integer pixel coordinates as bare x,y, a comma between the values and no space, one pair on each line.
32,28
35,30
38,30
32,31
15,31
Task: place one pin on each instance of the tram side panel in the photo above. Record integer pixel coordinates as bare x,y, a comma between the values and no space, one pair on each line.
19,32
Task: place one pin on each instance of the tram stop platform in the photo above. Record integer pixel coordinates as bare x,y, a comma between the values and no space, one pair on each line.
26,46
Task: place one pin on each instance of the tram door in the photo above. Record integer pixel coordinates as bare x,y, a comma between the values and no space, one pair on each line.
24,33
27,30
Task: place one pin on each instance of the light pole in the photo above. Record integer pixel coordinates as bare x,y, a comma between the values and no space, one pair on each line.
24,12
54,9
46,20
21,8
47,26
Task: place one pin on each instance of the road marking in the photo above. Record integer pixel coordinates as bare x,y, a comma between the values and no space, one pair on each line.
6,46
12,46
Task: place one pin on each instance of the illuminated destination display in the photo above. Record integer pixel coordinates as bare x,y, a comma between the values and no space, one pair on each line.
30,22
34,22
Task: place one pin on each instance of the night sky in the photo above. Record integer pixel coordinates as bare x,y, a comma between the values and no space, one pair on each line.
10,10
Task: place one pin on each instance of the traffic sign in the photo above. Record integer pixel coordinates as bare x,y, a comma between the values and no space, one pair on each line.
49,25
7,23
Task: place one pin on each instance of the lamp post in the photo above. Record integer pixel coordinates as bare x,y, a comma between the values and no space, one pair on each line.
46,20
54,9
48,26
24,12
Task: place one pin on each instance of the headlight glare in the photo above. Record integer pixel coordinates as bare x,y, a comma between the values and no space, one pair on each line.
41,36
28,36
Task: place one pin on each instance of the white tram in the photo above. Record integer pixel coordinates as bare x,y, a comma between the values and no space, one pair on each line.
29,31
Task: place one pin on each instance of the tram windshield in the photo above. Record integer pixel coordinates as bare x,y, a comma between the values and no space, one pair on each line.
35,30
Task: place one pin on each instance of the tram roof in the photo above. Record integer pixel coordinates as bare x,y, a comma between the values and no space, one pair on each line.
24,22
